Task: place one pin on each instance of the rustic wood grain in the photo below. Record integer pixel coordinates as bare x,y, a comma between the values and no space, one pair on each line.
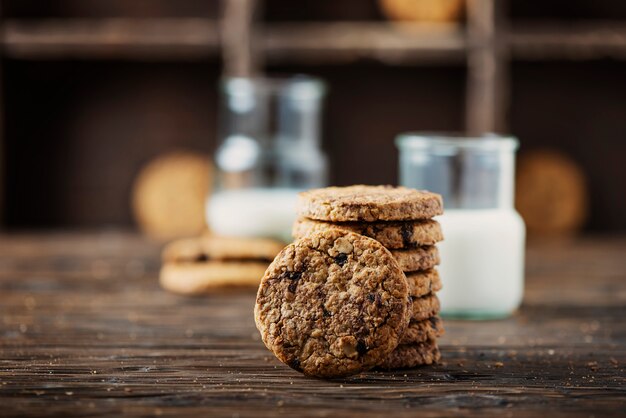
86,331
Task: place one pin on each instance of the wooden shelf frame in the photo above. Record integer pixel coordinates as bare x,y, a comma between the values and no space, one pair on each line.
303,42
558,40
486,43
110,38
348,41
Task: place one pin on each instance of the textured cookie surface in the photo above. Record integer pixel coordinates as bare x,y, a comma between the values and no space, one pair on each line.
407,234
425,307
422,331
368,204
211,276
332,304
412,355
420,258
422,283
221,248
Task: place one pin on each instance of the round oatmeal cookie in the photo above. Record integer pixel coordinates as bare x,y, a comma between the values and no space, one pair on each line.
211,276
422,283
212,247
412,355
407,234
168,195
415,259
332,304
422,331
425,307
368,204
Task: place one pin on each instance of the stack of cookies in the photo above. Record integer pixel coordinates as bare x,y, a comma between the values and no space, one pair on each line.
401,220
204,264
337,301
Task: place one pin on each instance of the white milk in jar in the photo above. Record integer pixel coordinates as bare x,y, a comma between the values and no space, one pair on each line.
482,255
260,212
482,262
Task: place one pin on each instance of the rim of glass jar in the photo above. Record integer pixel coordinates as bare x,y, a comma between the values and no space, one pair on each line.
298,87
447,141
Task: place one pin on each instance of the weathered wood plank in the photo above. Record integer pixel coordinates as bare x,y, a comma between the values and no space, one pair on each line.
79,340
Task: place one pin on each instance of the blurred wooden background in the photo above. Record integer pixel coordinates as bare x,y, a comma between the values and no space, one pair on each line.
92,90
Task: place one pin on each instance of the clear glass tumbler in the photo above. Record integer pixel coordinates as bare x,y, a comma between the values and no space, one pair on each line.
269,150
482,255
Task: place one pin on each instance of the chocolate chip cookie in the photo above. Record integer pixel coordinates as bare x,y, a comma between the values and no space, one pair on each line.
412,355
422,331
169,194
333,304
407,234
368,204
420,258
422,283
203,264
210,247
191,278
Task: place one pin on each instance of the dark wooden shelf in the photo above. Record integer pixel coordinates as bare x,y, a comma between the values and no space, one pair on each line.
485,43
347,41
568,40
335,42
110,38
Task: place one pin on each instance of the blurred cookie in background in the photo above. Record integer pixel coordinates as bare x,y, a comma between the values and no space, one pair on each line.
169,193
431,11
213,247
205,264
551,193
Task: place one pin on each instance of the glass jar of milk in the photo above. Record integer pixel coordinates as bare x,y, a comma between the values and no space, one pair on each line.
482,255
269,150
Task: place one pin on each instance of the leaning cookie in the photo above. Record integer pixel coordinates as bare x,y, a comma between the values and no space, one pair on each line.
412,355
368,204
332,304
393,235
207,277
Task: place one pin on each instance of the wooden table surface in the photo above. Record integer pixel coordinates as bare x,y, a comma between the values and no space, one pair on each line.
86,331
